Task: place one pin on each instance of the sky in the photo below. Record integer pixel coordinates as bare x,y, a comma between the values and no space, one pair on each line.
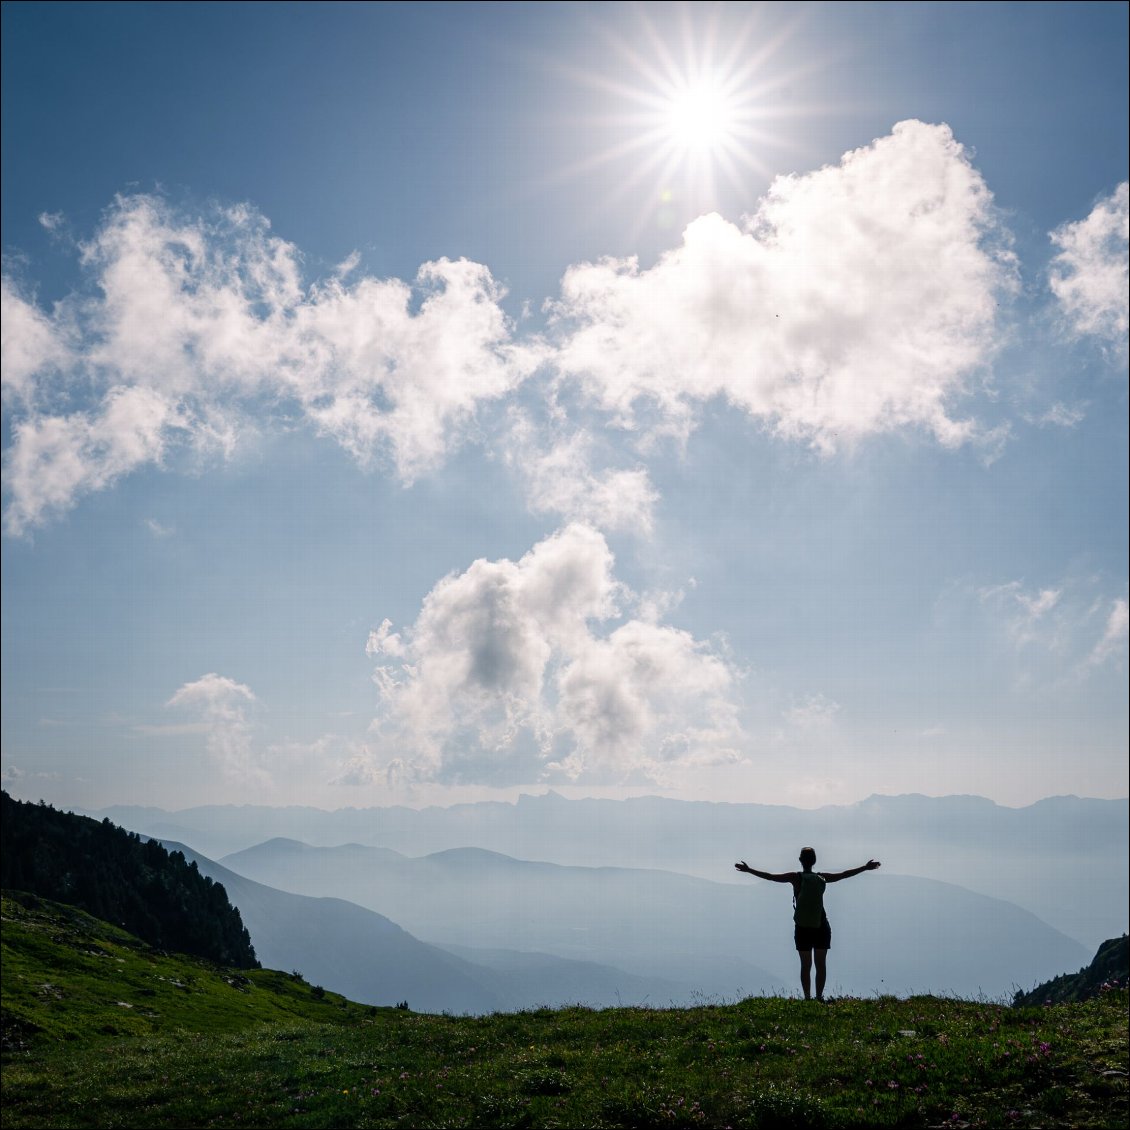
422,403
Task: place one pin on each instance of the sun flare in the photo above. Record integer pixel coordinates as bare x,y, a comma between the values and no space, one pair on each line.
697,99
701,118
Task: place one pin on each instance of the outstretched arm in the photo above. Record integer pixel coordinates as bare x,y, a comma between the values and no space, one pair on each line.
836,876
787,877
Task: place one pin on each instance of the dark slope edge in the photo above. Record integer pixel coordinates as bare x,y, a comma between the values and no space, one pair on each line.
115,875
1110,969
359,953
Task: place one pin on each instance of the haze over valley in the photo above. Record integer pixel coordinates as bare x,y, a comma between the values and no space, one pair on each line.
637,899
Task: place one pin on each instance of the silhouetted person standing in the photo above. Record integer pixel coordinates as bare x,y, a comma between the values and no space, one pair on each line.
812,932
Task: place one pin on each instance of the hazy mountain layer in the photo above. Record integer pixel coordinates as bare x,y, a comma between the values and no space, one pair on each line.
1064,858
355,951
891,933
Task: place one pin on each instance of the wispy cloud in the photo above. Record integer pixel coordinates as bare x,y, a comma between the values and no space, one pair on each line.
223,707
171,729
1112,644
1090,277
815,713
1025,610
1062,622
561,479
1060,416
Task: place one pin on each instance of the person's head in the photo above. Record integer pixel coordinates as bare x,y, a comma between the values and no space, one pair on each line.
807,858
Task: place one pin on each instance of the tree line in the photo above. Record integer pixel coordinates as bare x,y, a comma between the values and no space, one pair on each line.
156,895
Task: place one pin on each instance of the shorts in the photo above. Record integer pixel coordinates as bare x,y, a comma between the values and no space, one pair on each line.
813,937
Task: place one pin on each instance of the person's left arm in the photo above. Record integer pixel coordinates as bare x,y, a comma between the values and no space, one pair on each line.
836,876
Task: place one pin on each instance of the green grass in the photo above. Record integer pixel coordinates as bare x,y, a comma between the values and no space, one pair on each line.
197,1050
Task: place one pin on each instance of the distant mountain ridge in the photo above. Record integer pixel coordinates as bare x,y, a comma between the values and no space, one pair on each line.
1061,858
369,958
891,933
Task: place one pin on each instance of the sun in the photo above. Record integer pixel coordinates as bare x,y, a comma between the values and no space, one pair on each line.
699,101
701,118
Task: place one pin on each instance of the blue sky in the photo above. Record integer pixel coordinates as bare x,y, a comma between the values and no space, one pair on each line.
418,403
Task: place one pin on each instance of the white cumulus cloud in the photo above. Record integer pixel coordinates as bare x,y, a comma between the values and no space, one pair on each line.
31,344
1090,277
858,299
506,676
202,320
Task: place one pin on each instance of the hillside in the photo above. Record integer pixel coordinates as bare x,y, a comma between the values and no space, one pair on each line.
70,978
115,875
100,1030
1110,967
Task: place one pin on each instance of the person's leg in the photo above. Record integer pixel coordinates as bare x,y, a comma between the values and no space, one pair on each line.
821,972
806,972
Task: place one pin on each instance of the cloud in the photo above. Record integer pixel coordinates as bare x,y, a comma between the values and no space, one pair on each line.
858,299
1060,416
1061,623
1025,610
815,713
31,343
1089,276
198,321
55,458
1113,641
13,776
505,677
560,479
223,706
358,770
171,729
647,697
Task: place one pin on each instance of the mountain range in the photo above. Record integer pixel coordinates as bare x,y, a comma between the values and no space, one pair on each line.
369,958
891,933
1064,858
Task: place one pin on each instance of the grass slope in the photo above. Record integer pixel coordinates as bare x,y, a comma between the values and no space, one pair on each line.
101,1031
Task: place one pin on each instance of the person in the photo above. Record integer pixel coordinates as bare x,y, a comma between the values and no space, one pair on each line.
812,932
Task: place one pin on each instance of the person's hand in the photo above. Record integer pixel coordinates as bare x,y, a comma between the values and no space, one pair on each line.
743,866
872,864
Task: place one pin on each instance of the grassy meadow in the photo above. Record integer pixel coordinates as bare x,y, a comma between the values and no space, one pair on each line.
99,1030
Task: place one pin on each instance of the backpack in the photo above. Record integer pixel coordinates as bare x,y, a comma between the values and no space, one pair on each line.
808,899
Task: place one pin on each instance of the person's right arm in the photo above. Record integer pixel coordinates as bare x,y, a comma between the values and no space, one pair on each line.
787,877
